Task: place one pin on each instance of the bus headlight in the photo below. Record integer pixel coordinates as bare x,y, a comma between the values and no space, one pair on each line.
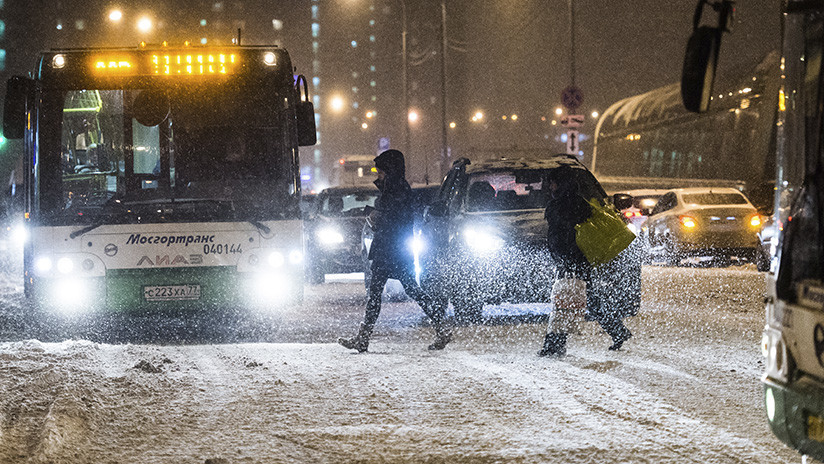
19,234
65,265
329,236
268,288
43,265
70,293
482,241
296,257
777,362
276,259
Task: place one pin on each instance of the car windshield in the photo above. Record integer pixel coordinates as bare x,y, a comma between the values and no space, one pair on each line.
348,204
520,189
715,199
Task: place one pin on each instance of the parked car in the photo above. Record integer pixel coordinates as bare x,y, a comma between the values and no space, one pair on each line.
422,196
703,221
643,201
485,238
332,231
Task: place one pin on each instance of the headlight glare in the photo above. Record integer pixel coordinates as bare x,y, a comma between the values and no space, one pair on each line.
43,265
482,241
65,265
329,236
276,259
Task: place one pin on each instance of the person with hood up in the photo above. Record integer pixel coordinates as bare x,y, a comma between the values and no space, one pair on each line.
391,254
565,209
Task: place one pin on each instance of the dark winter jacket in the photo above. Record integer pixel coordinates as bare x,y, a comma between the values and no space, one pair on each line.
565,209
393,218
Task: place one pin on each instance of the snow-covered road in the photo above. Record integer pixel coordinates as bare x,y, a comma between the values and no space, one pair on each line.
684,389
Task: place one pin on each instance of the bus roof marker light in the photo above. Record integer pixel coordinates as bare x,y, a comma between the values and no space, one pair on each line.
269,59
59,61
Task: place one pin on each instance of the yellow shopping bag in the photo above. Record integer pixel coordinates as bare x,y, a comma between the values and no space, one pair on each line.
604,235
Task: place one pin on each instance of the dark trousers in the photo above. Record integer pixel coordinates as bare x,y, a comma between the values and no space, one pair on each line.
406,274
609,320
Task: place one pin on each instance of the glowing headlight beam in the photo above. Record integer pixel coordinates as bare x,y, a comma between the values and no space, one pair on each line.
329,236
482,241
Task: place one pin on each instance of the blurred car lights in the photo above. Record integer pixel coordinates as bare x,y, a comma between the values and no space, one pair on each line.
65,265
296,257
43,265
687,221
70,295
276,259
755,221
482,241
329,236
268,288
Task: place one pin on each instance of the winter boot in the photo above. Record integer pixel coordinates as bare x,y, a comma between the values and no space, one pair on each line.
554,345
618,340
443,335
360,341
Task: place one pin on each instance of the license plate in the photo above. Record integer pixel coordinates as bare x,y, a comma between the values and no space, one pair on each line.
815,428
171,292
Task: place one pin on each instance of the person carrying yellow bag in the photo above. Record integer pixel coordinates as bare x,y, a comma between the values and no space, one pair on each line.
569,215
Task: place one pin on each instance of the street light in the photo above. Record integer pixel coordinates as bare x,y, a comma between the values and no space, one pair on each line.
144,24
336,103
413,117
115,15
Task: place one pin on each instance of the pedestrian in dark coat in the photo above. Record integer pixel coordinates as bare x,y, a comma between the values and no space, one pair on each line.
392,222
565,209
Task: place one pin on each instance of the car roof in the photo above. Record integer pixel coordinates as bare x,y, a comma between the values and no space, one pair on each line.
343,190
503,163
644,192
690,190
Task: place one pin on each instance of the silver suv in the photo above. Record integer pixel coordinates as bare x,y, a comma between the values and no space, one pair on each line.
485,238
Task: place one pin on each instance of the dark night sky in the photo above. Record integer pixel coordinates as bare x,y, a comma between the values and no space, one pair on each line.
622,48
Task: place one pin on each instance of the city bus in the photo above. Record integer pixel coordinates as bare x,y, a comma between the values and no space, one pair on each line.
161,178
793,336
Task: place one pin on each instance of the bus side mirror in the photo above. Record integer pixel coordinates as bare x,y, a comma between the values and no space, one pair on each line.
698,74
307,134
18,91
701,57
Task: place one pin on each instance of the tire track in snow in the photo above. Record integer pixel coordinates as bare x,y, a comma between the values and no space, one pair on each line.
630,408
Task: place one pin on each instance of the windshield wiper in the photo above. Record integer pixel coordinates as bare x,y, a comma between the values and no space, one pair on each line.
88,228
260,226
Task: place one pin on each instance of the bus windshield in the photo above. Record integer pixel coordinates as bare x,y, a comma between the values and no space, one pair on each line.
101,148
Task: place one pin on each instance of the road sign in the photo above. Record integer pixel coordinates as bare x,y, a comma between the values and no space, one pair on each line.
572,97
572,142
572,121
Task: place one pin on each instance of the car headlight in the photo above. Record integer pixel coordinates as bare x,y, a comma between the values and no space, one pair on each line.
329,236
482,241
417,244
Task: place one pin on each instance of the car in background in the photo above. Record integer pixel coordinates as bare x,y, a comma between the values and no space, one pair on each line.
643,201
484,238
422,196
703,221
333,228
